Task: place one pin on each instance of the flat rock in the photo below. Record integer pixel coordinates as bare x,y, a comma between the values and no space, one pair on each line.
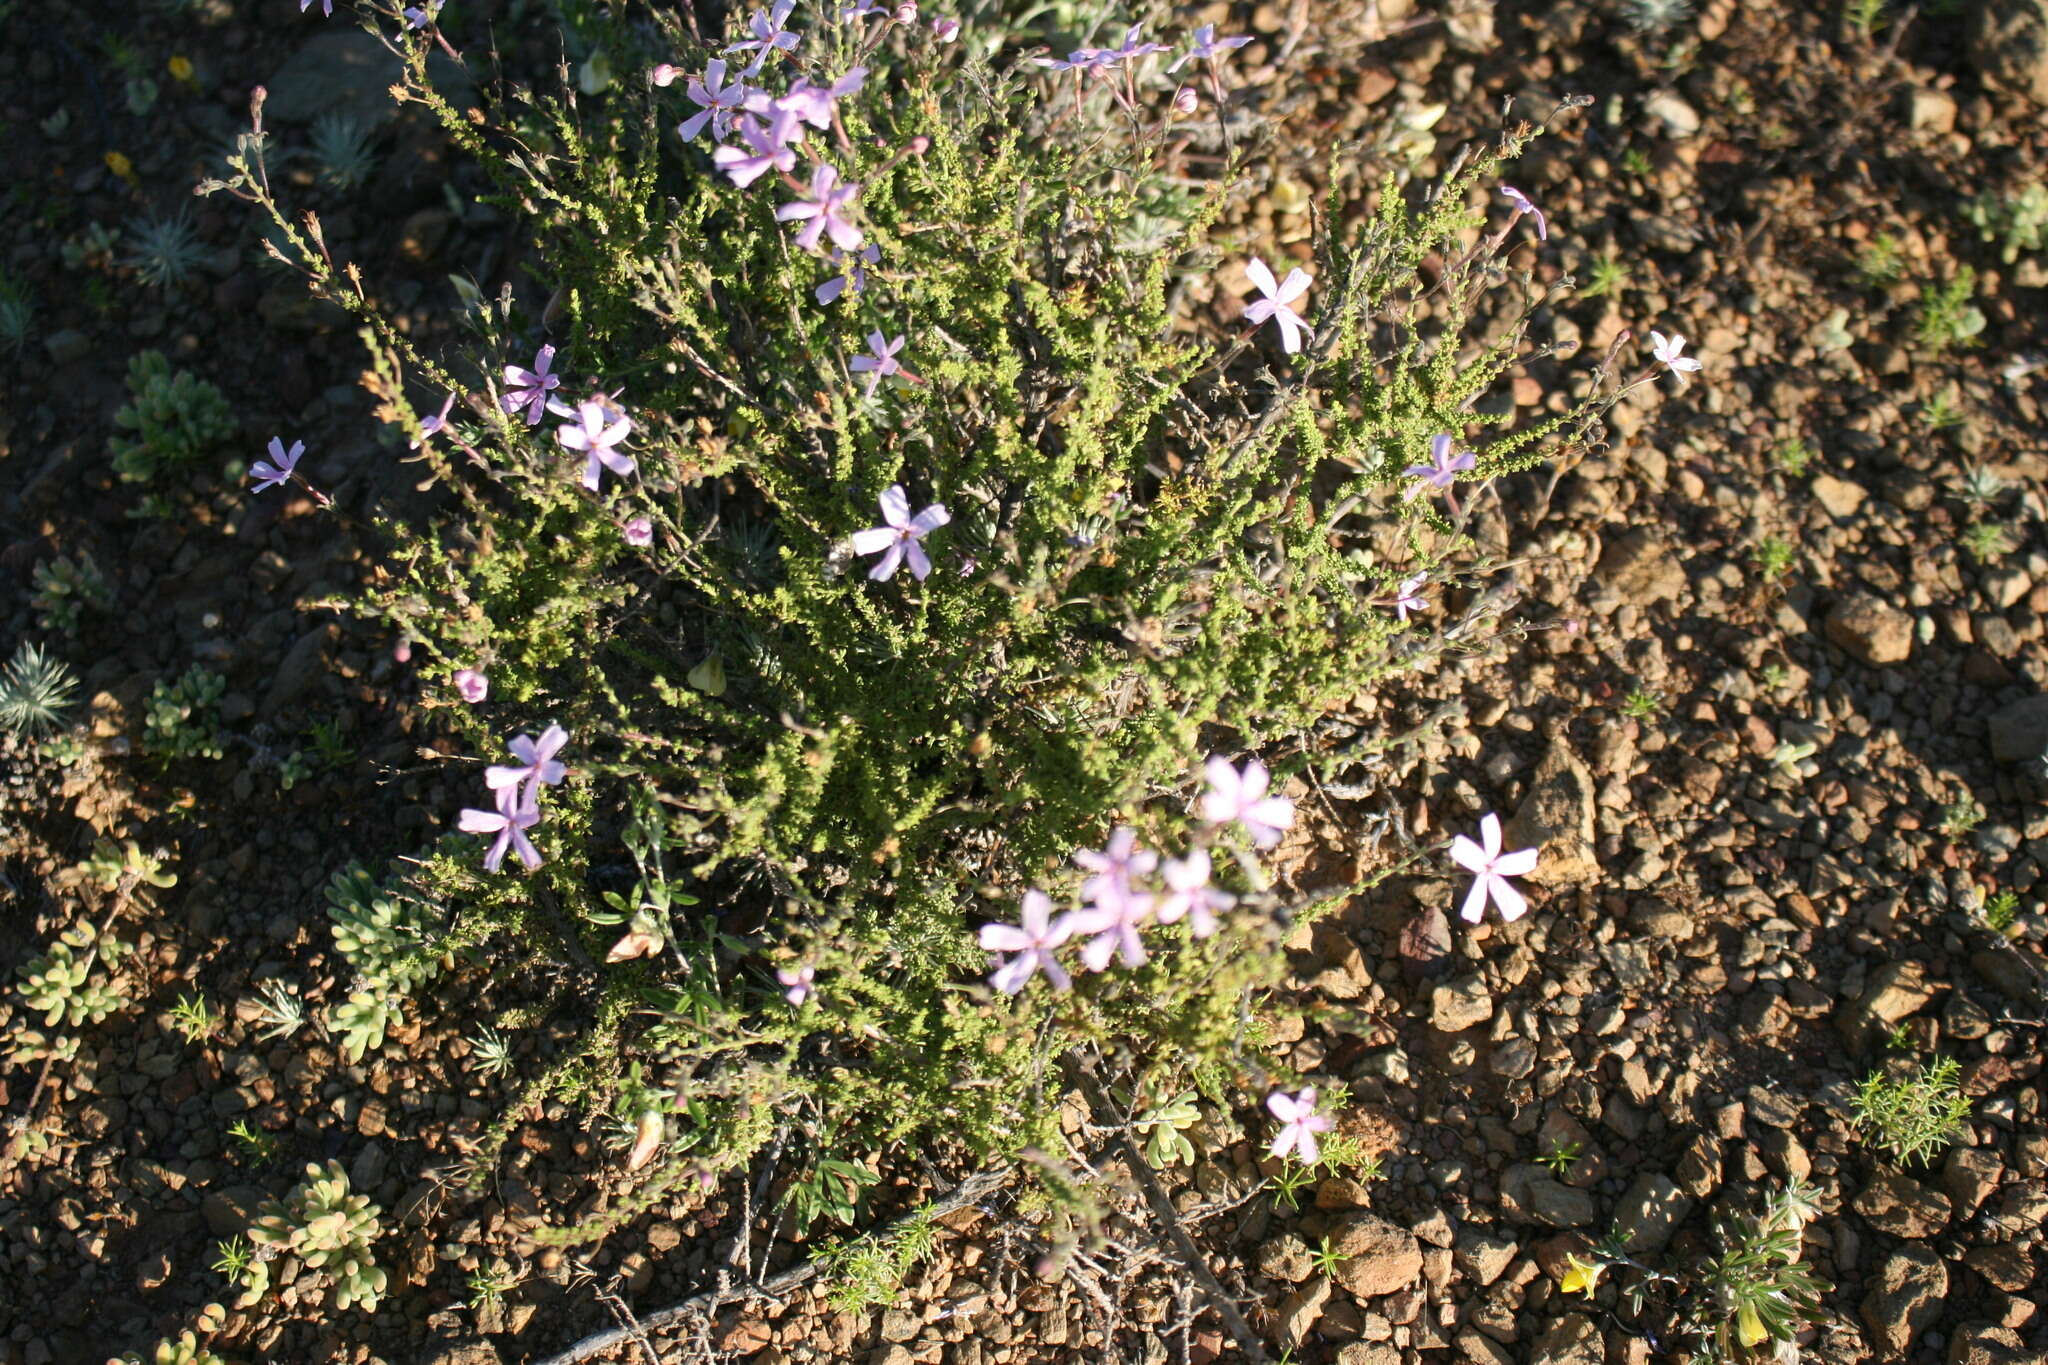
1841,498
1969,1175
2004,1265
1673,115
1571,1339
1903,1207
2019,732
1871,630
462,1353
1458,1005
1641,568
1482,1256
1383,1258
1650,1212
349,72
1988,1344
2007,42
1897,990
1557,818
1299,1311
1905,1299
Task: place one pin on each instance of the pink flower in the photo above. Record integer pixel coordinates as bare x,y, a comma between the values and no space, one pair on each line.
1491,869
717,101
1115,866
509,822
639,532
798,982
897,539
1670,354
945,30
1443,468
1208,47
768,147
1275,303
814,104
854,272
1185,100
1030,942
881,362
270,475
435,425
1113,922
529,389
1299,1124
1524,204
664,74
1188,893
1241,796
537,764
471,685
1408,596
825,210
769,35
598,428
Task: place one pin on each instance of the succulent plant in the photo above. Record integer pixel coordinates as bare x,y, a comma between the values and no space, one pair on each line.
65,588
176,418
35,691
183,1350
328,1229
55,984
381,934
341,146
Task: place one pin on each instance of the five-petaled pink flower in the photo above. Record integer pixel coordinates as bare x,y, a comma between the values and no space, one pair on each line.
1114,866
1208,47
880,364
1444,466
1671,353
1276,303
1030,942
598,428
825,210
1299,1124
509,822
1524,204
854,272
537,766
769,35
1241,796
717,101
1491,868
897,540
639,532
768,145
1408,595
1113,921
814,104
1189,893
797,982
471,685
278,469
529,389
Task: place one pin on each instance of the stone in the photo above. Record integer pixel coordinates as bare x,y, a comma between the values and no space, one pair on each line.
1969,1175
1989,1344
1299,1310
899,1325
304,662
66,345
2019,732
1841,498
1561,1205
1639,567
1285,1257
2007,41
349,72
1665,110
2003,1265
1557,817
1650,1212
1897,990
1382,1258
1458,1005
1930,111
1871,630
1369,1353
1481,1256
1570,1339
228,1212
1902,1207
1905,1299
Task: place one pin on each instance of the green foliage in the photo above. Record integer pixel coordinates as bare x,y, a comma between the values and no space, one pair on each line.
1980,486
870,1270
1775,556
279,1010
35,691
176,419
67,588
340,147
1161,544
329,1230
1326,1258
385,933
1960,816
193,1018
2017,222
1641,703
183,718
252,1141
58,984
184,1349
163,251
110,864
1862,17
1606,278
1881,262
1946,320
1165,1127
1986,541
1916,1116
2000,910
1561,1158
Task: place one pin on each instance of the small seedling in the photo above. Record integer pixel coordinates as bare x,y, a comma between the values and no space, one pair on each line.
1863,16
1794,456
1636,162
1775,557
2001,910
1979,486
1291,1181
1946,319
1943,411
1165,1128
1881,262
233,1257
281,1012
1788,757
1915,1118
183,718
1561,1158
491,1053
1961,816
1606,277
488,1285
163,252
2017,222
1986,541
1326,1257
65,589
1774,676
1900,1039
1641,703
193,1018
252,1141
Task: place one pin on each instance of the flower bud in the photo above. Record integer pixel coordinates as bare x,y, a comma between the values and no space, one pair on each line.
919,145
1185,101
664,75
472,685
906,13
945,30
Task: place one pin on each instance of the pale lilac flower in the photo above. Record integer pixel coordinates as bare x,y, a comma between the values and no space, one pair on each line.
1185,100
1524,204
1189,893
826,210
1670,354
1080,59
1275,304
897,540
1491,869
471,685
879,365
861,9
1132,49
717,99
278,469
419,16
768,144
1241,796
326,7
769,35
906,12
1299,1124
945,30
664,74
529,389
598,428
639,532
1408,595
798,982
1030,941
1444,466
814,103
509,822
1115,866
1208,47
854,272
433,426
537,766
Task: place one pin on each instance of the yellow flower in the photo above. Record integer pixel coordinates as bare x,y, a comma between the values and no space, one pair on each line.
181,70
1581,1277
1749,1328
122,167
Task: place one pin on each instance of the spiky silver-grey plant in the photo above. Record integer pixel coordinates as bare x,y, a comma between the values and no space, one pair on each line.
35,691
